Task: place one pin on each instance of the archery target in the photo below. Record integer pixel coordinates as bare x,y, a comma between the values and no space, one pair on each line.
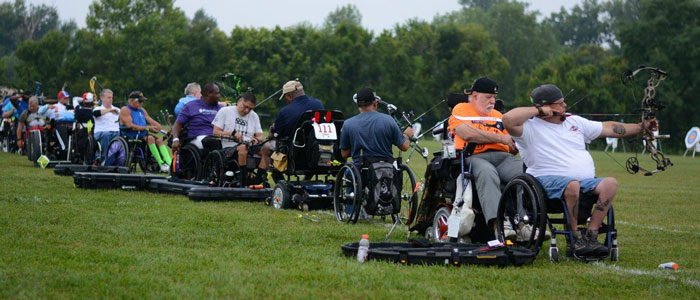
692,137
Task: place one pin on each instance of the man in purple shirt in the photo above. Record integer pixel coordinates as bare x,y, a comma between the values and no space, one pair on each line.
197,115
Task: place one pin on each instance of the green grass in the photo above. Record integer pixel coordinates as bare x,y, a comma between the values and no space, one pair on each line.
57,241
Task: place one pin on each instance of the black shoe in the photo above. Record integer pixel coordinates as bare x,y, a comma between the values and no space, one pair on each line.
592,241
579,248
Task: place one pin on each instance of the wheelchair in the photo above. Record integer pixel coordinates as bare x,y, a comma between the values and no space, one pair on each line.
49,140
125,151
82,147
35,139
379,187
8,135
449,185
221,167
305,164
58,140
187,163
524,200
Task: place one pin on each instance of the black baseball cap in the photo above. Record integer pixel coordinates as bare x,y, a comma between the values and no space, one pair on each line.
366,95
545,94
137,95
483,85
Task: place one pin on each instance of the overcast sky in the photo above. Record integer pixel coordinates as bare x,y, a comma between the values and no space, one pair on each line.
376,14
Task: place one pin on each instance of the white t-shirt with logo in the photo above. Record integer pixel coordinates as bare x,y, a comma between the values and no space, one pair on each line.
108,121
558,149
229,119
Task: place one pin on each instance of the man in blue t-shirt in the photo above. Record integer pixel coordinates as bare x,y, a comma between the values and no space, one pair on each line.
297,103
197,115
192,92
371,133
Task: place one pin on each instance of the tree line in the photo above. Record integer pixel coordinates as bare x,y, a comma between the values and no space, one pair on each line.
152,46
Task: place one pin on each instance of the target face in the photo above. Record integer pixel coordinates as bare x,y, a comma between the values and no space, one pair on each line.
692,137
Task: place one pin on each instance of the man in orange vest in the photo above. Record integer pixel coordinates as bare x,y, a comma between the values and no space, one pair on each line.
493,162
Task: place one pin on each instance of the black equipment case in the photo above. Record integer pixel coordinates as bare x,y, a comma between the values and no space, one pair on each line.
70,169
90,180
228,194
454,254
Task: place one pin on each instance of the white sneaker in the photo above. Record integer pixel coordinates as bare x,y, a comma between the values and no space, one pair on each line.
525,231
164,168
508,231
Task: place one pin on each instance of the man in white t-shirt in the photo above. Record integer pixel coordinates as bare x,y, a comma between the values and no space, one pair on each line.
106,121
243,124
553,147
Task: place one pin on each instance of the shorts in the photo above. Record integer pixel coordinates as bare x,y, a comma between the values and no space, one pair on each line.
554,185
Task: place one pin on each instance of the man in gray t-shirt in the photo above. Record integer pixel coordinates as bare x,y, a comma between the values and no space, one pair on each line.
243,124
371,134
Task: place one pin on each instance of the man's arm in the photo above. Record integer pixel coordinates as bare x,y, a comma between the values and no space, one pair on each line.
9,113
175,132
619,130
514,119
407,134
155,126
474,135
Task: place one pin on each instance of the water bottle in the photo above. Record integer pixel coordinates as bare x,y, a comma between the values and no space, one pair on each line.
668,265
363,249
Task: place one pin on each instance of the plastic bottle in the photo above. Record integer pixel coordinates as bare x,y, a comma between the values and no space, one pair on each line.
669,265
363,249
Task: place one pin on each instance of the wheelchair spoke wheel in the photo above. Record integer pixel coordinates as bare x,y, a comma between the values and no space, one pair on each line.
214,168
408,194
281,199
439,228
347,194
522,204
190,163
117,153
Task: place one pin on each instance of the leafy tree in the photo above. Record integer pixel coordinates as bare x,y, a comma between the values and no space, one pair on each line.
347,14
667,36
583,25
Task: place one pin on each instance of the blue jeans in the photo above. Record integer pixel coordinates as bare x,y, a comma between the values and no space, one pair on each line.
103,137
554,185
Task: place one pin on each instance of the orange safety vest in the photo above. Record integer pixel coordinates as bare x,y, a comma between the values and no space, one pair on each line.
464,113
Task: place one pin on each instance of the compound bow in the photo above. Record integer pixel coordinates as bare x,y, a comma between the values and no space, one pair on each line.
650,104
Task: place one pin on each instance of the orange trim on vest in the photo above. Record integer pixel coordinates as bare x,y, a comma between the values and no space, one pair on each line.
467,110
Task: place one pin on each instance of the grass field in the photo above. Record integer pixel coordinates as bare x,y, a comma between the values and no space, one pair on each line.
57,241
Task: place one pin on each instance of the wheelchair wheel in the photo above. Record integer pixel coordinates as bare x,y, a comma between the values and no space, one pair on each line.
281,199
347,194
408,194
439,228
5,144
117,153
214,168
190,163
145,159
88,153
522,203
34,145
